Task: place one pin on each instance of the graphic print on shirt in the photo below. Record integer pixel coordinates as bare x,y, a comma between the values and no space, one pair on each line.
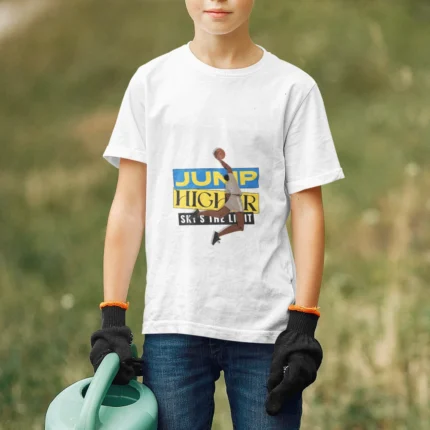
216,196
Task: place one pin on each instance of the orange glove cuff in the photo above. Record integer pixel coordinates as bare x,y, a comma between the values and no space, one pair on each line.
122,305
314,310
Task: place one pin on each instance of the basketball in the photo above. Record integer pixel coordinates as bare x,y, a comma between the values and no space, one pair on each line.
219,153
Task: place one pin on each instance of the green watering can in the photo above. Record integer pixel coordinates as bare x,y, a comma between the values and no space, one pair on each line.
94,404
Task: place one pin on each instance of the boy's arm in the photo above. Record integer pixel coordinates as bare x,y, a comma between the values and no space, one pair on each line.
298,355
124,231
307,222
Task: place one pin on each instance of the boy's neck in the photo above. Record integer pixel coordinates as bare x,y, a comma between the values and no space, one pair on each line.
220,53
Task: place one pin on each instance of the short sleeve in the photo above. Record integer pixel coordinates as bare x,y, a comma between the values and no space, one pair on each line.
128,136
310,155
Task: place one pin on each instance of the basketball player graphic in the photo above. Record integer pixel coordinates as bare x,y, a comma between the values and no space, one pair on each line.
232,203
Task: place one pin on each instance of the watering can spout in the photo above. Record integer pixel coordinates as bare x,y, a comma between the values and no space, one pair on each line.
95,404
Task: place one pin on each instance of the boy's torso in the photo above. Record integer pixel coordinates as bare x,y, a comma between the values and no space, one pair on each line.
238,288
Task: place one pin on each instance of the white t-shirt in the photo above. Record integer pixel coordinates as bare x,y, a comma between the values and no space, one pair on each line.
271,122
231,185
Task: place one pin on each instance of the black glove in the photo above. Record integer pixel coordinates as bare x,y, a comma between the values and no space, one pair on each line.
115,336
296,358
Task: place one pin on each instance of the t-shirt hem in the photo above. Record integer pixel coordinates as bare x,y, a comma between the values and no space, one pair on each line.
217,332
314,181
113,154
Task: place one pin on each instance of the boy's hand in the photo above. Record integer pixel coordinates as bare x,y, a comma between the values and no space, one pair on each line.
296,359
115,336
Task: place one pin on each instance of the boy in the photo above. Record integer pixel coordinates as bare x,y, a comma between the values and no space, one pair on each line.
248,308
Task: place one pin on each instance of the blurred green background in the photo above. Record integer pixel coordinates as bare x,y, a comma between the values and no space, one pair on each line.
63,73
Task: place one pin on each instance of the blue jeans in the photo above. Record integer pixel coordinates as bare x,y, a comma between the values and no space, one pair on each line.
181,371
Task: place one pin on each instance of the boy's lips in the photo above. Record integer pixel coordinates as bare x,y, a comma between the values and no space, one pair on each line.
217,12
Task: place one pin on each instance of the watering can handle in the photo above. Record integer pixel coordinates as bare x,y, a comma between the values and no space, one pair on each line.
97,390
